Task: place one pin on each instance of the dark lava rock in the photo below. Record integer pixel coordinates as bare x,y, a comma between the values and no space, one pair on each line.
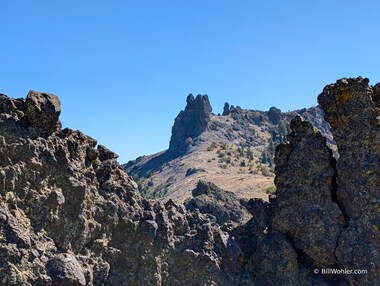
226,109
43,110
225,206
105,153
190,122
274,115
65,270
192,171
304,207
70,215
352,108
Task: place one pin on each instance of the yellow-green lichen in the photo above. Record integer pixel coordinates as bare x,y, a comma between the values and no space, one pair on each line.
344,97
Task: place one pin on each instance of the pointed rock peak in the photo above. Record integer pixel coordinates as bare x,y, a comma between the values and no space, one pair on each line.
191,122
226,109
190,98
200,102
301,127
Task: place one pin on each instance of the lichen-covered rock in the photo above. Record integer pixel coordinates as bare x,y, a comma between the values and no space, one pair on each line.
304,207
352,108
325,213
352,114
275,262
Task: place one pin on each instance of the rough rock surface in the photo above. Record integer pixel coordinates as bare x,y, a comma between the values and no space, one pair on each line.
70,215
305,170
225,206
190,122
352,108
43,110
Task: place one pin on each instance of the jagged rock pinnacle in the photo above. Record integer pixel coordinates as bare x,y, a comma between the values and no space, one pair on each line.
226,109
190,122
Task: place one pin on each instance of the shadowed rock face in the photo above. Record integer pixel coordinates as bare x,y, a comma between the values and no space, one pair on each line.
70,215
305,222
190,122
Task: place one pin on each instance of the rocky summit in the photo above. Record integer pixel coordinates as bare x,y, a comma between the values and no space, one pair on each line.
190,123
234,150
70,214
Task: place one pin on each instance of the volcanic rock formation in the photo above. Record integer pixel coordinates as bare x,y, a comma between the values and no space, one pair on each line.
190,122
70,215
234,151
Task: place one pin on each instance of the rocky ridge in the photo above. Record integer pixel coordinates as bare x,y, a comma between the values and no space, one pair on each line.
70,215
190,123
234,150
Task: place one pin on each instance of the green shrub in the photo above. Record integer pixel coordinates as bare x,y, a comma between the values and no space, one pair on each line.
271,190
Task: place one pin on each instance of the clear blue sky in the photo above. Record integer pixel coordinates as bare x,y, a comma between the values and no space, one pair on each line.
123,69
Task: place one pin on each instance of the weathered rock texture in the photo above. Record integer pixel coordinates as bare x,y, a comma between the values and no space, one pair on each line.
70,215
305,170
190,122
352,108
225,206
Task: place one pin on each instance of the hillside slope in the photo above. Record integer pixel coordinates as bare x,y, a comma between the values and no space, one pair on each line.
234,150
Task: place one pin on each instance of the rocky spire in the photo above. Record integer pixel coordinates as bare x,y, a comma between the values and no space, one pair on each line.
352,108
190,122
226,109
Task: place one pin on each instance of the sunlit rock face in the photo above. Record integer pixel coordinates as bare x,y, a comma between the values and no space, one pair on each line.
70,214
352,107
